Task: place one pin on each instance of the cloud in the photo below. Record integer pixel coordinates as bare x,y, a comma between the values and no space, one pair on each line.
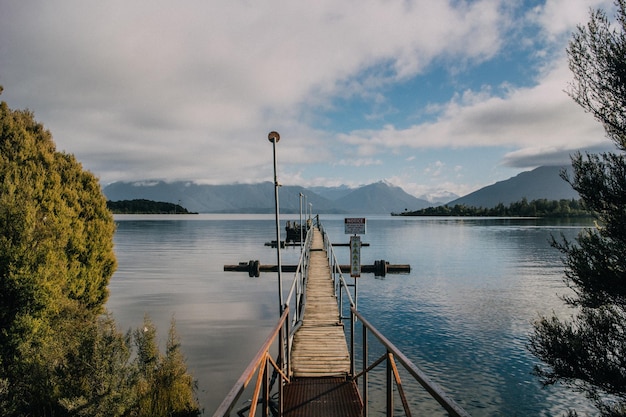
549,156
557,18
152,89
435,170
188,90
537,120
359,162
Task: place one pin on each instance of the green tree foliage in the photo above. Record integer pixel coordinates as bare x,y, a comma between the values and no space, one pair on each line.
102,376
60,354
56,255
99,378
588,351
165,388
597,54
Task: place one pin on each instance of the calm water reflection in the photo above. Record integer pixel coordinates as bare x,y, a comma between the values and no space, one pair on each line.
463,314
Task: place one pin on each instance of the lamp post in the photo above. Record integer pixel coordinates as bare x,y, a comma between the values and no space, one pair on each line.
274,137
301,246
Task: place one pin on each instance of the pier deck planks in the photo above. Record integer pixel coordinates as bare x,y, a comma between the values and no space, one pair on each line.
319,346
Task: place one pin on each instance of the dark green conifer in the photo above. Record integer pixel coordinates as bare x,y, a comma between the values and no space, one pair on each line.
588,351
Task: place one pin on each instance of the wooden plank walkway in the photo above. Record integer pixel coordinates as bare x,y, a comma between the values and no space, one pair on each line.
319,346
320,361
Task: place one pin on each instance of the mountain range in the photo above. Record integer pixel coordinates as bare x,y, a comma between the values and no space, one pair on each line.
543,182
376,198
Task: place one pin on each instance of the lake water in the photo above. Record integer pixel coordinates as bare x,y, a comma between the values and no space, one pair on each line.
463,314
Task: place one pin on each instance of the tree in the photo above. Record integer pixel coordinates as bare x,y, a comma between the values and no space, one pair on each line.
588,351
165,387
99,378
60,352
597,58
56,257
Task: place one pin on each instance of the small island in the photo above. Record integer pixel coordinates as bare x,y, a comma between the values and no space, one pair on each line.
142,206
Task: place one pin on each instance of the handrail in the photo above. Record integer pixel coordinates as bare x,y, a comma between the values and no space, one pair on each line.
392,351
299,279
335,270
297,295
285,336
260,363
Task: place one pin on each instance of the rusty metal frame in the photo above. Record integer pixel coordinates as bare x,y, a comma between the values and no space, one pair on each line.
283,333
392,355
260,365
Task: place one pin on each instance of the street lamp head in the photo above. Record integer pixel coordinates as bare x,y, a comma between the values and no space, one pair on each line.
273,137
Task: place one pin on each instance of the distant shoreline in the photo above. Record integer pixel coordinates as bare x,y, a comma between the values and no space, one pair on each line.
143,206
541,208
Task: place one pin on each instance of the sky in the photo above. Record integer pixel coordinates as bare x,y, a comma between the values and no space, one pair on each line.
433,96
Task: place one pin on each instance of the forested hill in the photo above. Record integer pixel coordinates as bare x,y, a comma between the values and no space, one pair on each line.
541,183
142,206
535,208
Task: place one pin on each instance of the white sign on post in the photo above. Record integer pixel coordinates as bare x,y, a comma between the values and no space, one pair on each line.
354,225
355,256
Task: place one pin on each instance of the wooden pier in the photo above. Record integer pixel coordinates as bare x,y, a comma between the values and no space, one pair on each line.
320,361
319,379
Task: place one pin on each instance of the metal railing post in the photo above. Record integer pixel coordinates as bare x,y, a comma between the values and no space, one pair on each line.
352,358
365,360
281,347
340,306
389,386
266,388
285,342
